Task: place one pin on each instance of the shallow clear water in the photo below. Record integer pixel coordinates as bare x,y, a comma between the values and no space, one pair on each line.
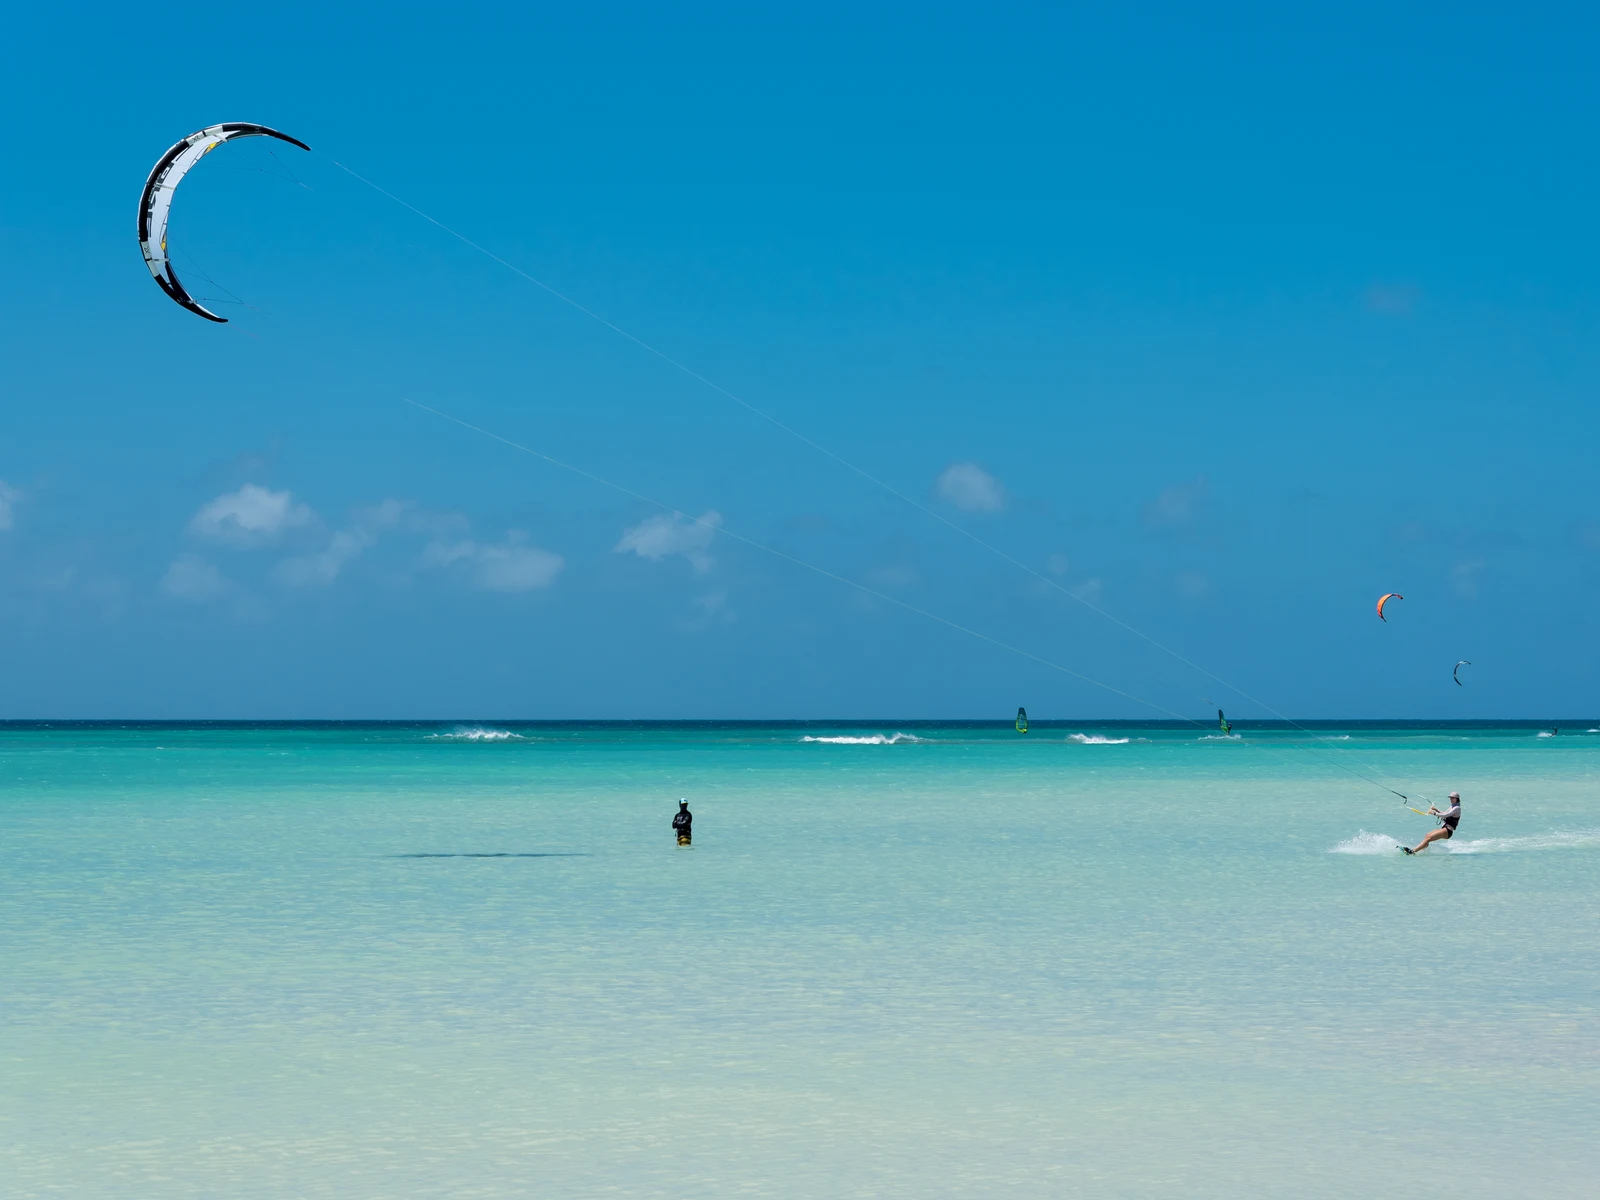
431,960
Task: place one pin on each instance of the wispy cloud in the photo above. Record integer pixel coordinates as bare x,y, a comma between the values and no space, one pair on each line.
8,500
195,580
893,575
509,566
1089,590
970,488
344,546
666,535
1465,576
251,514
714,609
1191,584
1178,507
323,567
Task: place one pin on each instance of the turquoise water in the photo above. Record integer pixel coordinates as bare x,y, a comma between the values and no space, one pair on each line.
467,960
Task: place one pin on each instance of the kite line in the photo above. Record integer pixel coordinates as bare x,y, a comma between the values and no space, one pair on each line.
715,527
875,481
155,205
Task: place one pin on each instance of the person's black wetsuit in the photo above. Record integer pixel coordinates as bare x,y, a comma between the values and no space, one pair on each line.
682,822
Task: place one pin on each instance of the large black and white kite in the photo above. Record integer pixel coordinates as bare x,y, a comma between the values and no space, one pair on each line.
155,205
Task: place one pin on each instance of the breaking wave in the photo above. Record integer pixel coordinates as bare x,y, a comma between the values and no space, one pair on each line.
477,735
1094,739
876,739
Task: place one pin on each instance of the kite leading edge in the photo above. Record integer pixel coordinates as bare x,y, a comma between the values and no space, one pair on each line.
155,204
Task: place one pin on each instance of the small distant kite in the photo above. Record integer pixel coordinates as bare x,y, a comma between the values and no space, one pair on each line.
1456,674
155,204
1384,599
1022,720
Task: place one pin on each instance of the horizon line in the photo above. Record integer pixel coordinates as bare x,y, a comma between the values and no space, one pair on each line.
1006,722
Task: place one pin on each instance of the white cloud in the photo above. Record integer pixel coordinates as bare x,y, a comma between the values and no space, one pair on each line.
509,566
1191,584
1089,590
8,499
323,567
195,580
657,537
970,488
1179,506
1057,564
251,514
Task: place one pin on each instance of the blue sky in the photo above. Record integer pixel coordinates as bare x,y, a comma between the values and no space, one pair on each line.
1225,325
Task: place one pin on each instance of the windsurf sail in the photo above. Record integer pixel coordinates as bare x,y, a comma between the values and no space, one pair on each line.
1022,720
1224,724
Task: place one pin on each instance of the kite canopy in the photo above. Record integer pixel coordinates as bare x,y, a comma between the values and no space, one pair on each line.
155,205
1384,599
1457,672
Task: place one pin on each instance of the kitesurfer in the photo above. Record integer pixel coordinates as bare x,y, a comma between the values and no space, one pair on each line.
1448,820
682,821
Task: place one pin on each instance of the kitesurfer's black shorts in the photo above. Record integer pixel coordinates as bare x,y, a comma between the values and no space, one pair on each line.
1449,831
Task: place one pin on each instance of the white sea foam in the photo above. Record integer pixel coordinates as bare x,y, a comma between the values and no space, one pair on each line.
1221,737
1544,733
1367,843
477,735
876,739
1577,839
1094,739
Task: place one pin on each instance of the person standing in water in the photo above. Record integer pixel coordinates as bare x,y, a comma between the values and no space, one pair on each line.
682,822
1448,821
